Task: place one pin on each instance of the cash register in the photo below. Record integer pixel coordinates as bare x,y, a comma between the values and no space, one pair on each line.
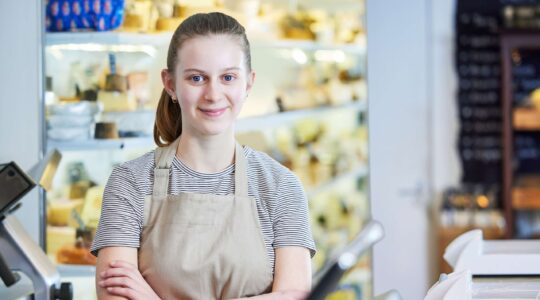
20,256
489,269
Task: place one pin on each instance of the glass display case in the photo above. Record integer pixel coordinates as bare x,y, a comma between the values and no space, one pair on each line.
307,110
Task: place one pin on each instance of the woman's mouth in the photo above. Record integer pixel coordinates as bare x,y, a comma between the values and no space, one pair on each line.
216,112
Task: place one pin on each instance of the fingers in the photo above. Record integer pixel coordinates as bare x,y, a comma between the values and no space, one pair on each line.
124,279
123,292
122,264
117,282
118,272
129,293
122,286
121,268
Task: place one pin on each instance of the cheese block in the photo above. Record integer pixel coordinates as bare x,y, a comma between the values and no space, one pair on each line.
117,101
338,93
116,83
58,236
78,189
133,22
168,24
106,130
139,16
92,206
59,212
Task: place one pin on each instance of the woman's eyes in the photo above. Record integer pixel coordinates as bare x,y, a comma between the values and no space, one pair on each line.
197,78
201,78
228,77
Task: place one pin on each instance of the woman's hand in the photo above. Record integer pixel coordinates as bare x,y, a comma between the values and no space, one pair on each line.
124,279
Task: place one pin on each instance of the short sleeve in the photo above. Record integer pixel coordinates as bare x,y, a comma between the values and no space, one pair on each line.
120,223
291,215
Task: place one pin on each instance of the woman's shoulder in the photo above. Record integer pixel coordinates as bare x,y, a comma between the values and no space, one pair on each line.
133,176
141,166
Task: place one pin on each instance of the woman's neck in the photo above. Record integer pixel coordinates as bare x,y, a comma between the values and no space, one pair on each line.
208,154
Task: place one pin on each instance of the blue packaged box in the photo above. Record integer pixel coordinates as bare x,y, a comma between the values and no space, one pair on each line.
75,15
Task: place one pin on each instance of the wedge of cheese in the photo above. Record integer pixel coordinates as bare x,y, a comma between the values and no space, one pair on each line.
117,101
58,236
59,212
92,206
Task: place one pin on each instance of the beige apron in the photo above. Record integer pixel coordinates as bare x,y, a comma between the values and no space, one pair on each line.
202,246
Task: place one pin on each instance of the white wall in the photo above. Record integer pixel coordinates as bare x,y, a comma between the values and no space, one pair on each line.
399,126
413,131
20,94
446,165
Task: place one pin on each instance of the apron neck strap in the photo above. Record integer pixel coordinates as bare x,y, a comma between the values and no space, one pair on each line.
163,158
165,155
240,172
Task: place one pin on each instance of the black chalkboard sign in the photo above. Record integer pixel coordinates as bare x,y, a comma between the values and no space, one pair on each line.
493,153
478,67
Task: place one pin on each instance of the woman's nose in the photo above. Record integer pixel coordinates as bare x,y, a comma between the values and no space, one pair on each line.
213,91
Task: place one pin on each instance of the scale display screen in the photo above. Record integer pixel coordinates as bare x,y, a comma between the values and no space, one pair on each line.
14,184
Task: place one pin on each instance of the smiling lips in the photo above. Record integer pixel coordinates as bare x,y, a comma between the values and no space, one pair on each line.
213,112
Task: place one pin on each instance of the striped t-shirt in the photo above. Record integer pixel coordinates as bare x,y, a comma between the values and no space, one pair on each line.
281,201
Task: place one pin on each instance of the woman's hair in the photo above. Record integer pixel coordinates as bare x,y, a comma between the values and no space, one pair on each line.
168,124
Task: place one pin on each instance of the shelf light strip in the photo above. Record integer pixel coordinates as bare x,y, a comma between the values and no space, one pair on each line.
91,47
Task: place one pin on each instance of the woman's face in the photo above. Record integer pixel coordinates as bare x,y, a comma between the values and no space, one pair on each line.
211,83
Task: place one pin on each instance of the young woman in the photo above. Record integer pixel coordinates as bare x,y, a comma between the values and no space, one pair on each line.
202,217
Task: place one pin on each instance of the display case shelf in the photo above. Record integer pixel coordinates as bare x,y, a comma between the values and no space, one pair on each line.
107,38
76,270
284,118
308,45
64,39
243,125
96,144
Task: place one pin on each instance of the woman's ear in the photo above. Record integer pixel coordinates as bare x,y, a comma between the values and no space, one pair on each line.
168,83
250,81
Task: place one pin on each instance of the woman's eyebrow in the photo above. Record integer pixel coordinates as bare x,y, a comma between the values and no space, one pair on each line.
201,71
193,70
